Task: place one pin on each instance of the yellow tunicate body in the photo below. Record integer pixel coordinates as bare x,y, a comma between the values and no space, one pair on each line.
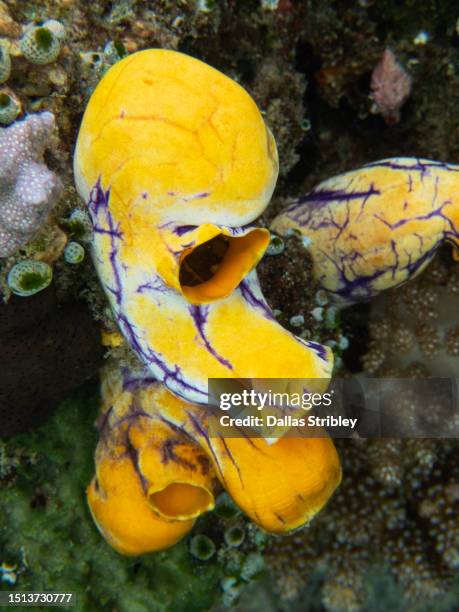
151,481
280,486
171,156
186,128
177,143
158,459
378,226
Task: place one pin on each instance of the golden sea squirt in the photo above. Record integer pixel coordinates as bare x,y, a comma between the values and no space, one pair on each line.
378,226
188,161
151,481
172,176
280,486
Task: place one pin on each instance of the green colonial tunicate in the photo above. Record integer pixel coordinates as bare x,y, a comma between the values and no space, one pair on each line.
321,297
56,27
231,590
114,50
206,6
296,320
9,109
234,536
276,246
29,277
79,225
202,547
40,45
74,253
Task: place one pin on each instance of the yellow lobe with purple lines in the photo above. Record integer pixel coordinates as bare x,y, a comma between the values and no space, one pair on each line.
178,145
157,465
151,481
376,227
174,161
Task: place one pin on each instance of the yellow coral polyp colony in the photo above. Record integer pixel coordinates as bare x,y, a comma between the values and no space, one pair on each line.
175,163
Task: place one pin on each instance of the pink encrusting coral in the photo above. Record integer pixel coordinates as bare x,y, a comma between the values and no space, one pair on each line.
28,189
390,87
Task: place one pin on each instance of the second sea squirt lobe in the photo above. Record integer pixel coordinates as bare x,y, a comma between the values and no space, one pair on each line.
376,227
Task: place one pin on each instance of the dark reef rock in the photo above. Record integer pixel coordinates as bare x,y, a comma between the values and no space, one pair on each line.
284,278
47,351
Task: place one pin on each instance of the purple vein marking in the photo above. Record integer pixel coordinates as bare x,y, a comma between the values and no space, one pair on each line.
131,417
202,432
98,206
232,459
361,286
199,315
133,455
175,427
250,297
152,358
420,165
393,247
183,229
438,212
98,209
154,286
135,383
319,349
322,197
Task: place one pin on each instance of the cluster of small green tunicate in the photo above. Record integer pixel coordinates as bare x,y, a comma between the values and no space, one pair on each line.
73,253
114,50
29,277
325,313
239,552
202,547
94,64
234,535
328,317
276,246
9,108
205,6
79,225
41,44
91,61
5,63
297,321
